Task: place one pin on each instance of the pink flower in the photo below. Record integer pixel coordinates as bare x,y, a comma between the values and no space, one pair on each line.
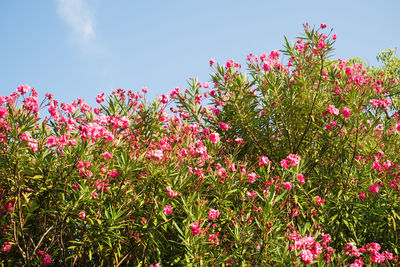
334,36
287,185
213,238
362,196
47,260
252,177
301,178
291,160
23,89
397,126
75,186
3,112
82,215
100,98
263,160
214,137
158,154
326,238
7,246
320,201
211,61
374,189
163,99
107,155
357,263
196,228
377,257
223,126
167,210
40,253
306,256
323,25
171,192
333,110
285,164
95,195
238,140
346,112
213,214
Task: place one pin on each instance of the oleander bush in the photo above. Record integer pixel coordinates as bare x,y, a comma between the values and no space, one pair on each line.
293,161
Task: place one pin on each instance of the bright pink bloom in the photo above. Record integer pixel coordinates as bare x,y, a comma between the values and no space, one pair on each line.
397,125
214,137
323,25
23,89
263,160
213,238
346,112
107,155
211,61
374,189
252,177
167,210
287,185
306,256
158,154
163,99
196,228
171,192
100,98
320,201
223,126
46,260
357,263
334,36
326,238
3,112
362,195
377,257
82,215
75,186
285,164
333,110
301,178
7,246
291,160
213,214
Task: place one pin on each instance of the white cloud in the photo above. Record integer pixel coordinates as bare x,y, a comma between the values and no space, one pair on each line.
79,17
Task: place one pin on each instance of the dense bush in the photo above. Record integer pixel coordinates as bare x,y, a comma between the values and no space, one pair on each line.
288,163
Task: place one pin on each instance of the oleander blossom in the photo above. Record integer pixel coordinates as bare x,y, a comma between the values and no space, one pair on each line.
346,112
333,110
214,137
291,160
310,248
263,160
306,256
167,210
196,230
47,260
213,214
374,189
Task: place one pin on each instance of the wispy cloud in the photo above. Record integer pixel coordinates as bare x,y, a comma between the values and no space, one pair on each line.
78,15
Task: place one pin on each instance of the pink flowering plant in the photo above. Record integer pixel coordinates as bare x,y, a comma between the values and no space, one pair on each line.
286,163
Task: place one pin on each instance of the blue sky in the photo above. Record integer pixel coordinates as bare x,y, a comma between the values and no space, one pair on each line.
80,48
